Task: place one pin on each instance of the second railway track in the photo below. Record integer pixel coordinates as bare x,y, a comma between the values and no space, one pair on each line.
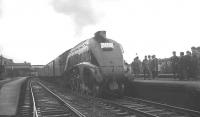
156,109
50,101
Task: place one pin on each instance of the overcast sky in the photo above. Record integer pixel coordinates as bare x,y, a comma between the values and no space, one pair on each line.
37,31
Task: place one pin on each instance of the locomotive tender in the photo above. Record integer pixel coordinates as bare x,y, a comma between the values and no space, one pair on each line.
94,66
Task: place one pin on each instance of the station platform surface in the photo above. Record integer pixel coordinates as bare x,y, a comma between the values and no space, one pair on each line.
9,96
184,94
166,81
4,81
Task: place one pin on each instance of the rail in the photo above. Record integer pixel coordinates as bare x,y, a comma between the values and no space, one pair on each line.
79,114
192,112
35,113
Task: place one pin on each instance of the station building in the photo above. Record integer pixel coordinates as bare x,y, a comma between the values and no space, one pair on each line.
18,69
8,68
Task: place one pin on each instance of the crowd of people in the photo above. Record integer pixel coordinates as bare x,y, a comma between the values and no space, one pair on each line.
149,66
183,67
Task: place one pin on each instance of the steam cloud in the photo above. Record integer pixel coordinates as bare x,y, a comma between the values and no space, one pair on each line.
79,10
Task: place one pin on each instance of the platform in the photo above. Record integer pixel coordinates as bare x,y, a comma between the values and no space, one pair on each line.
9,96
4,81
170,81
184,94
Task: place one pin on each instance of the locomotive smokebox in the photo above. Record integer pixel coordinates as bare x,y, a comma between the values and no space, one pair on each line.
100,36
101,33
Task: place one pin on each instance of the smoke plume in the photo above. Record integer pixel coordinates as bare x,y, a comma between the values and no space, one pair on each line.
80,11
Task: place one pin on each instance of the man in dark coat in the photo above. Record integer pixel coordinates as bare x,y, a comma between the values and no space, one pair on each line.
150,65
174,62
188,64
194,67
136,66
154,66
145,67
181,66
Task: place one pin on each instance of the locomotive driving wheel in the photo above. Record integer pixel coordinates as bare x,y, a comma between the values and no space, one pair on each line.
75,80
91,86
78,83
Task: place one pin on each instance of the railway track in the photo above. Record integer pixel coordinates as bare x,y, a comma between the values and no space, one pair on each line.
47,103
97,107
156,109
132,107
41,102
82,103
94,107
127,107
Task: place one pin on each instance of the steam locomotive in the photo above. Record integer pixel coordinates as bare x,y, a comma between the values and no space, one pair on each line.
95,67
